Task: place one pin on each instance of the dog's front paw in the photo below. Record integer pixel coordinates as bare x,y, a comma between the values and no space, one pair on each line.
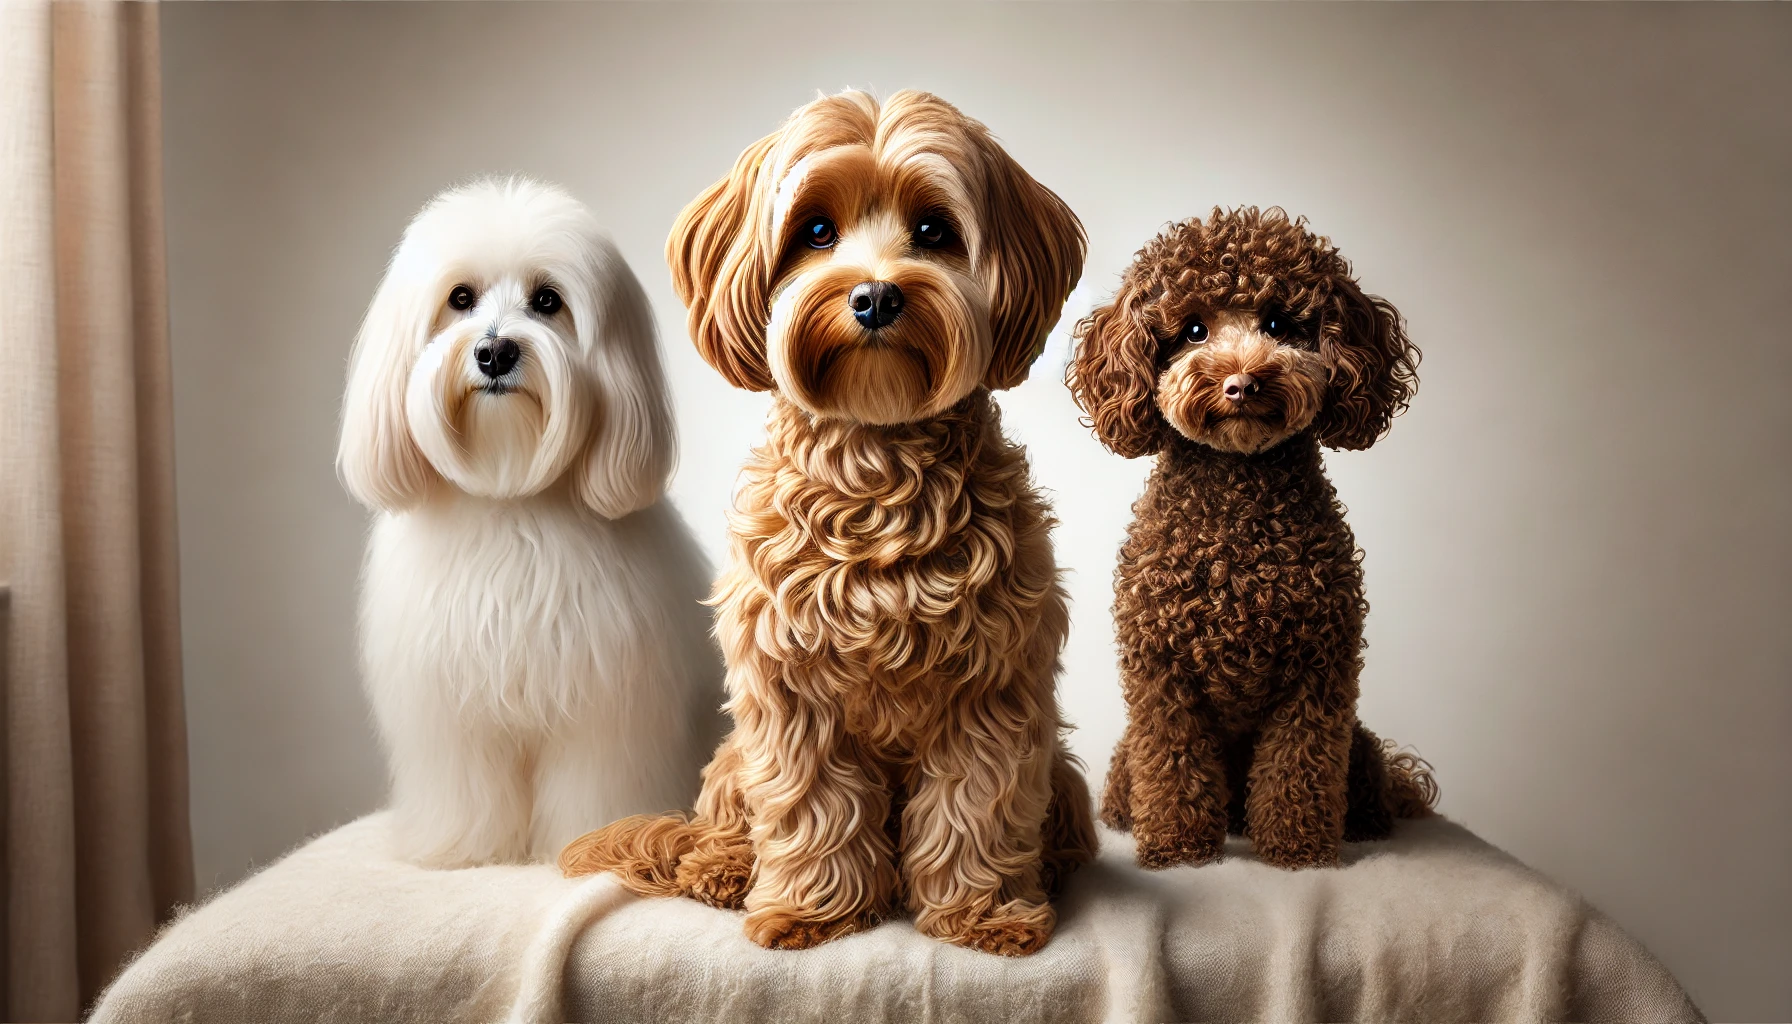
1016,928
1168,847
784,928
1297,851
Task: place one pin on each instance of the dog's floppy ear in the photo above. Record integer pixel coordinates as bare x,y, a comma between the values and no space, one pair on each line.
1374,367
1113,376
722,274
378,459
1033,250
630,455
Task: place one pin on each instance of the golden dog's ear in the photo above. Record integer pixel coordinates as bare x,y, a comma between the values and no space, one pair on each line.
1374,367
722,273
1113,376
1033,250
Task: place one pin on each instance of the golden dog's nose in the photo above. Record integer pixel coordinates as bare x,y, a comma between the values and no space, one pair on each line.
875,303
1241,386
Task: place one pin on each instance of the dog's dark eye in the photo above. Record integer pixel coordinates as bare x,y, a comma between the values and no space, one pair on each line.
1278,324
1282,327
461,297
932,231
820,233
546,301
1193,333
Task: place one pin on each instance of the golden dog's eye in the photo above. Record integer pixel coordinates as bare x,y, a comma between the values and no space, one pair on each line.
1193,333
461,297
820,233
546,301
932,231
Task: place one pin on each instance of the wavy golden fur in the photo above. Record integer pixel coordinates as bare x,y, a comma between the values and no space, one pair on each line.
1235,347
891,615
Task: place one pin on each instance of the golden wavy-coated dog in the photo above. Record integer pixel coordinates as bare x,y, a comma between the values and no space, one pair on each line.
891,616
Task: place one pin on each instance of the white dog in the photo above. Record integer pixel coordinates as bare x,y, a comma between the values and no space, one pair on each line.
532,636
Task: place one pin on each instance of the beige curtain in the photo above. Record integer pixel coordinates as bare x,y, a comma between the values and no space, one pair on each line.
96,850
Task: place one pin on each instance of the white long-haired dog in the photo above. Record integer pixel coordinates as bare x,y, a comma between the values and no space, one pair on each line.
532,633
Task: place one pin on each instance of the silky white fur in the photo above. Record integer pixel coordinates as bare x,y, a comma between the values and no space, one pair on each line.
532,637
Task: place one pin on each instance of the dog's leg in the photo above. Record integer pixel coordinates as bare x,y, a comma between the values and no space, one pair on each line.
818,801
1179,786
1297,801
1366,816
1069,834
1116,792
971,834
460,790
592,771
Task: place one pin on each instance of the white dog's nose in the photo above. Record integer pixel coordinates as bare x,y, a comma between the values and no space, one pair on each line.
497,357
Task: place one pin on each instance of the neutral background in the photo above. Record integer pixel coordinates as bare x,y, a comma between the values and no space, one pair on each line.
1577,539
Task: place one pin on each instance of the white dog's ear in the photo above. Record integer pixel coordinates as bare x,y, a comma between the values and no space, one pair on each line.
632,446
377,458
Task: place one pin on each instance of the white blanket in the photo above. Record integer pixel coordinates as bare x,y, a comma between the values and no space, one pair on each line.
1432,925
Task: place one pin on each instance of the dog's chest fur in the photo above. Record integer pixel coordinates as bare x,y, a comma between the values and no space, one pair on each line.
528,611
881,572
1238,575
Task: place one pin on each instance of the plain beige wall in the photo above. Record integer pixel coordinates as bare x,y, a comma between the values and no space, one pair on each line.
1577,538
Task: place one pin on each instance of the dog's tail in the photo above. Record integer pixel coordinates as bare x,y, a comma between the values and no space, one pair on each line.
1411,790
642,851
1385,783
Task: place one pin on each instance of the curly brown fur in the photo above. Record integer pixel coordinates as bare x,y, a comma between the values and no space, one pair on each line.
1235,348
891,615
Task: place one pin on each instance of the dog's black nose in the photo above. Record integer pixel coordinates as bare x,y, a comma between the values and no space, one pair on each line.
497,356
1241,386
875,303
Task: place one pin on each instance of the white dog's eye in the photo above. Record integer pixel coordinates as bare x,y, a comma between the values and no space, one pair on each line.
461,297
546,301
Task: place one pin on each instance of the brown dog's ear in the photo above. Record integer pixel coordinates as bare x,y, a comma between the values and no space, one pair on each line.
1034,252
722,274
1113,377
1374,367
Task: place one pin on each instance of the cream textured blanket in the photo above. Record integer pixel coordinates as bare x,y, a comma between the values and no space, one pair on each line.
1433,925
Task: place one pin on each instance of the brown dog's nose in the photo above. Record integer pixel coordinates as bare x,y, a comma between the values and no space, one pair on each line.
1241,386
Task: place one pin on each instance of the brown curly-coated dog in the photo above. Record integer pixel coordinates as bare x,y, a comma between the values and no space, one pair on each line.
1235,347
891,615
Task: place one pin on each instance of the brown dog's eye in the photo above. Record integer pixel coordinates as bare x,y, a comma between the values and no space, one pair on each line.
1193,333
820,233
932,231
1279,325
461,297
